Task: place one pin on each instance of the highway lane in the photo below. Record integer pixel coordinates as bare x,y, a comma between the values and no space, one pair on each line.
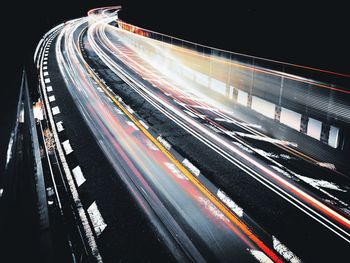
151,78
205,228
196,221
185,118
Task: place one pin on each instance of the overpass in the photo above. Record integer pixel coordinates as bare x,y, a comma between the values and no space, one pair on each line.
176,151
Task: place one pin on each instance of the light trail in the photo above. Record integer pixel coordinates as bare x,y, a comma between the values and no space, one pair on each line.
125,148
309,202
195,219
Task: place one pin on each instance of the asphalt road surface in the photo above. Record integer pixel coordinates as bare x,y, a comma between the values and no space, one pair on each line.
209,182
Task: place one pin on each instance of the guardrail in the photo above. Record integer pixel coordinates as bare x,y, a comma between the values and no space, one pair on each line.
312,101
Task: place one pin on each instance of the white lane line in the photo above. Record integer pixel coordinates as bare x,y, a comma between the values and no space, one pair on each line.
284,251
67,147
191,114
243,147
59,126
117,110
45,68
151,145
224,120
260,256
251,125
45,59
131,124
164,142
172,167
96,219
48,80
1,192
280,170
180,103
49,88
45,63
213,209
230,203
316,183
78,175
129,109
144,124
55,110
266,154
266,139
319,183
193,169
216,130
46,73
52,98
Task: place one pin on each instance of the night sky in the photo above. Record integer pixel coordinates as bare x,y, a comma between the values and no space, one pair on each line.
314,34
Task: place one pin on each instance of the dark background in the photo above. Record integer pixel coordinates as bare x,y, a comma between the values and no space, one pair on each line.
309,34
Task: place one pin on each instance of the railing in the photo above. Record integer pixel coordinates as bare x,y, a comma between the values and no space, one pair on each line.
312,101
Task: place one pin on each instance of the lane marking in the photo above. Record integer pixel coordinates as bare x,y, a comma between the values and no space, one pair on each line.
131,124
191,114
67,147
172,167
55,110
144,124
129,109
96,219
260,256
47,80
151,145
319,183
52,98
164,142
266,139
78,175
284,251
193,169
230,203
59,126
49,88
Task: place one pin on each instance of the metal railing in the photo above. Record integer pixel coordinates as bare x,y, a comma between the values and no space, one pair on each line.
312,101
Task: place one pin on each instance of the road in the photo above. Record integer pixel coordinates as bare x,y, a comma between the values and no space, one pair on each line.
213,185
